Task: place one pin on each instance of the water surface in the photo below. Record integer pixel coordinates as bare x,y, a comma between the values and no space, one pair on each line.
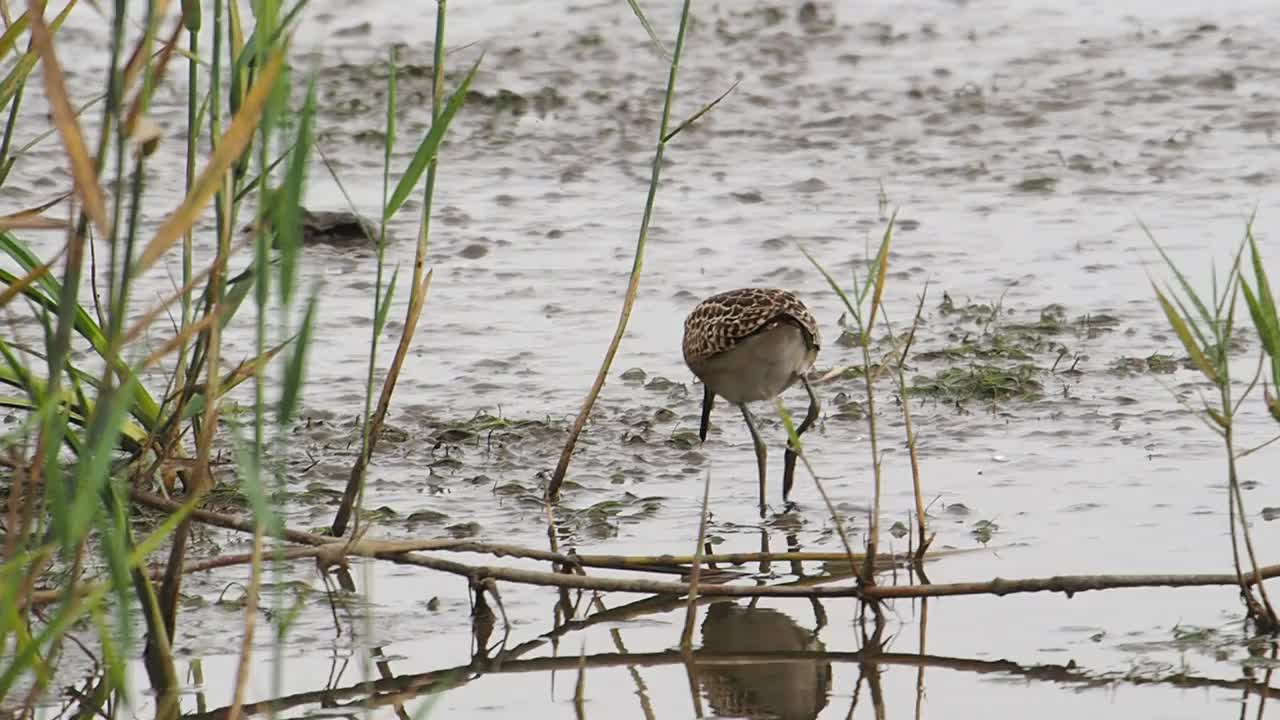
1020,142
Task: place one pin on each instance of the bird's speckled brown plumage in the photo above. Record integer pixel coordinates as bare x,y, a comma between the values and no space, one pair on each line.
749,345
723,320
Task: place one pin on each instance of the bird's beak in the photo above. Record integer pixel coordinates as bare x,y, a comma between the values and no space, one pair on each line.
708,399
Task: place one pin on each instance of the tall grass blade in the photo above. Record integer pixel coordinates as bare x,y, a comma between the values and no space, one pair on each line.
831,281
1265,318
92,469
230,149
83,168
114,535
238,70
1202,310
27,657
113,660
21,284
1262,310
288,202
1184,335
8,41
233,378
27,259
882,269
252,485
33,217
236,290
429,145
296,366
705,109
17,77
384,306
648,28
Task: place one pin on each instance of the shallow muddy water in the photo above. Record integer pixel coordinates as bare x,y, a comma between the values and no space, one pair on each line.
1022,143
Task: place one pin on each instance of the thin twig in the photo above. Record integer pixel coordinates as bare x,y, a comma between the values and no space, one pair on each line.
921,522
695,572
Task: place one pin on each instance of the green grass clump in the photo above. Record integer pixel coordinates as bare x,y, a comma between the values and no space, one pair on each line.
994,347
1206,328
981,383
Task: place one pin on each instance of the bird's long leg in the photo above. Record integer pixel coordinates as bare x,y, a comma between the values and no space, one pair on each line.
789,460
708,399
762,453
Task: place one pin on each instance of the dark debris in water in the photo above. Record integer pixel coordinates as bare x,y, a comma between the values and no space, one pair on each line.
972,312
338,229
983,530
844,407
503,101
1155,363
1227,644
1043,185
431,517
634,375
602,520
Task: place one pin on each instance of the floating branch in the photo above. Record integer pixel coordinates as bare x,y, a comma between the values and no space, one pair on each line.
328,551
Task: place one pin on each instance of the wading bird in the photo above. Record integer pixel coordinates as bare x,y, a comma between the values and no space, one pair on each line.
752,344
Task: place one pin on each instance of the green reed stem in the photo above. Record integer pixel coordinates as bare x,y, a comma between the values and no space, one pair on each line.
193,139
424,159
388,149
10,125
637,265
900,378
865,325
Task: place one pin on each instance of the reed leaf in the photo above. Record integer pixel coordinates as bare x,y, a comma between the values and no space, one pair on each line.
83,167
288,200
648,28
429,145
295,367
882,269
1185,336
384,304
21,70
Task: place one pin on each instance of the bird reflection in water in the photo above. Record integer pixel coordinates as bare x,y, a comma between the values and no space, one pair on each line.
787,688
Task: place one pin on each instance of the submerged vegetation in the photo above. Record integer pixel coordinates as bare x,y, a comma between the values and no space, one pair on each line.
104,415
134,423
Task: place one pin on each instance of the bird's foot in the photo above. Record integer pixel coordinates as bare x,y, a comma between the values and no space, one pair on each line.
785,518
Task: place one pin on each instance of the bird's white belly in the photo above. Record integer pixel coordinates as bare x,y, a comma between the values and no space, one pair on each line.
760,367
